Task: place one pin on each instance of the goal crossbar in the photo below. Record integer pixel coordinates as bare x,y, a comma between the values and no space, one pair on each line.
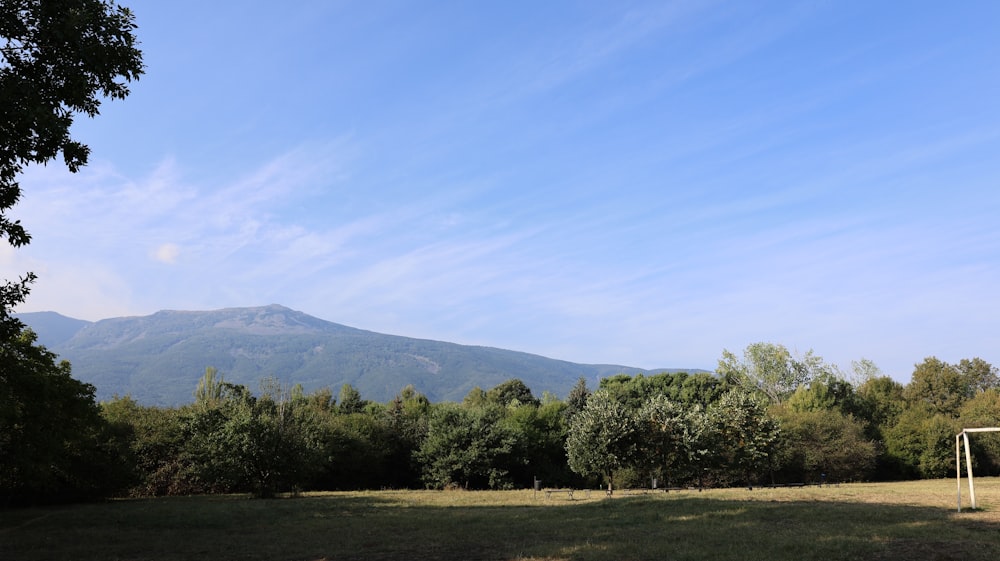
959,439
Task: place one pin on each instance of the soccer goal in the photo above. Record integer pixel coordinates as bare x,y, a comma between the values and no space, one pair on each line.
959,439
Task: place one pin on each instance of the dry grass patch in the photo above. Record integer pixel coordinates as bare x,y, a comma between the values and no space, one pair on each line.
915,520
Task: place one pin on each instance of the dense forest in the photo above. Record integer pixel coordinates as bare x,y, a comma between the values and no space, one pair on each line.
766,417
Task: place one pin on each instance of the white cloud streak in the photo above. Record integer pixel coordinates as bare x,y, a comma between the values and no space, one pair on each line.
644,186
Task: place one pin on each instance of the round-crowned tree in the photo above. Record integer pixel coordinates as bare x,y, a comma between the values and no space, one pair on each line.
603,437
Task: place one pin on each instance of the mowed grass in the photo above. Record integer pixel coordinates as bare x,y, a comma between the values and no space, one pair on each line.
885,521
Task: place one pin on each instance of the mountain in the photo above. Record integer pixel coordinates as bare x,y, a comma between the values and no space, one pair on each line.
53,329
158,359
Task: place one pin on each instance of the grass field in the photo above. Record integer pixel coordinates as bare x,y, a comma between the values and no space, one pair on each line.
884,521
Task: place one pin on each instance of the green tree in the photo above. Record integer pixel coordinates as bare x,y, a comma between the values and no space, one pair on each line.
825,393
602,438
979,375
940,386
633,391
822,441
209,390
862,371
540,450
357,452
321,400
156,448
51,431
880,403
770,369
245,443
701,389
670,437
576,400
937,457
742,437
509,392
475,398
921,443
467,447
349,400
406,418
983,410
58,58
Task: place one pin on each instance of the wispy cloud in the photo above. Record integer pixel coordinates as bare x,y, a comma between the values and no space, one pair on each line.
99,218
644,184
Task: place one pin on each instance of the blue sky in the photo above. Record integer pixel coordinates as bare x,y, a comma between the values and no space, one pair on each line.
638,183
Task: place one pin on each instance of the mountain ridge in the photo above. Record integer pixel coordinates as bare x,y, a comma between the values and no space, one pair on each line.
157,359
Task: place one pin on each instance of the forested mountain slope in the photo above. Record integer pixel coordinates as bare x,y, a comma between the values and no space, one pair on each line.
158,359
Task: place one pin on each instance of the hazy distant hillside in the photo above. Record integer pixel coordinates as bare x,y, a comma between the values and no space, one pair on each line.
158,359
53,329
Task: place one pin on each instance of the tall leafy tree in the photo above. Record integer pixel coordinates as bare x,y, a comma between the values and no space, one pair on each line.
826,393
863,370
358,449
770,369
50,427
248,443
209,390
921,442
349,400
822,441
156,447
513,390
880,402
576,400
701,389
467,447
939,386
979,375
58,59
540,451
743,436
630,391
406,418
602,438
670,438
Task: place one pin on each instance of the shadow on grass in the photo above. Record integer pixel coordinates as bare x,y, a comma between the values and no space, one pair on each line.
420,526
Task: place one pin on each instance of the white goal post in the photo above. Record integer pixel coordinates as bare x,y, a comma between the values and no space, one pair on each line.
959,438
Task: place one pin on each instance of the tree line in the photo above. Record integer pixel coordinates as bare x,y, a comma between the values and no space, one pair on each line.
766,417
